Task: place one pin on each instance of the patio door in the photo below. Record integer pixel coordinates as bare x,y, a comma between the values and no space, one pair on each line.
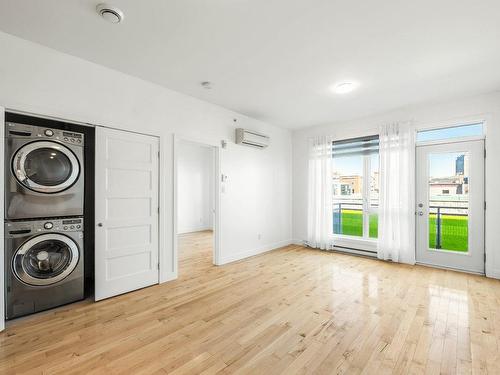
450,205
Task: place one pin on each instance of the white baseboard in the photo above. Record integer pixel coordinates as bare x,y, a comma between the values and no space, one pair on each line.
250,253
168,276
494,273
194,229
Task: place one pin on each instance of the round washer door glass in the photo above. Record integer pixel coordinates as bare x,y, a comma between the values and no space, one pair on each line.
45,259
45,167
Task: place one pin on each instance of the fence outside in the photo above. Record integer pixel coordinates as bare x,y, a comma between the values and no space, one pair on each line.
448,223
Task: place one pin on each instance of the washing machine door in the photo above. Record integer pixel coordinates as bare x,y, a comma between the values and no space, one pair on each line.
45,167
45,259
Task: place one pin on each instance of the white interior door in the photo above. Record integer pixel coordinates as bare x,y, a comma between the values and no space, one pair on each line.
126,210
450,205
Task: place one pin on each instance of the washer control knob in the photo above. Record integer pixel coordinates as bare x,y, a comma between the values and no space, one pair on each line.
65,227
78,226
48,132
48,225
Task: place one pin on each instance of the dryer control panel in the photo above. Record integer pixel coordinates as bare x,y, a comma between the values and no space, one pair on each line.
15,130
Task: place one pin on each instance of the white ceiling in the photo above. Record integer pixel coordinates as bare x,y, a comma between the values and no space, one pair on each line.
276,59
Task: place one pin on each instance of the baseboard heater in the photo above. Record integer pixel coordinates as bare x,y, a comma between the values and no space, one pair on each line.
351,248
341,248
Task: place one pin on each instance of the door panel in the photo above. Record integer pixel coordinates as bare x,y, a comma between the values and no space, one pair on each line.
450,205
126,212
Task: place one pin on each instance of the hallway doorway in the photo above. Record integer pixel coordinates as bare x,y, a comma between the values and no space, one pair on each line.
196,202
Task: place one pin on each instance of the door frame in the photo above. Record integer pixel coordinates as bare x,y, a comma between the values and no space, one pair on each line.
2,223
216,252
478,118
165,273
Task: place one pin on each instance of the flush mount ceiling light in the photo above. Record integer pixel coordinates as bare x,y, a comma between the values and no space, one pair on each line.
344,87
109,13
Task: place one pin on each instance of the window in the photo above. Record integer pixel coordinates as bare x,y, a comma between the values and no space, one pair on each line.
356,187
461,131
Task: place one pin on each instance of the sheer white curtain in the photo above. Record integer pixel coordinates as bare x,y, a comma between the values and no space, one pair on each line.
319,212
396,223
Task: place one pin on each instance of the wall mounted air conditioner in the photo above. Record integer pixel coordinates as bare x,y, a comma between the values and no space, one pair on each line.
251,138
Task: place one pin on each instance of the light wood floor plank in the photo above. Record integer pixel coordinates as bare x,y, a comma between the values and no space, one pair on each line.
290,311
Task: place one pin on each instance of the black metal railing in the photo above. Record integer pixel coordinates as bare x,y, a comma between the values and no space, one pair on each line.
442,226
457,230
338,207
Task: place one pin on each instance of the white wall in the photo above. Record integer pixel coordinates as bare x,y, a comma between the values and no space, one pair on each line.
473,108
257,201
195,179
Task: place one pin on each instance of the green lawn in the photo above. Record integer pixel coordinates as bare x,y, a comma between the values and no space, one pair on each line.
454,232
352,224
454,229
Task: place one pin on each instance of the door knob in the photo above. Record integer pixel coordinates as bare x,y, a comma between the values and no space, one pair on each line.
99,224
420,213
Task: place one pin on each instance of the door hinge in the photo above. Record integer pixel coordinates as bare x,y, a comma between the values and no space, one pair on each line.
485,205
158,209
158,266
485,153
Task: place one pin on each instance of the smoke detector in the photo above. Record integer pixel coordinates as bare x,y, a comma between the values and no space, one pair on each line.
206,85
109,13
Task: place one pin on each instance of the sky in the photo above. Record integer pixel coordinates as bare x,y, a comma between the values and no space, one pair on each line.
441,165
454,132
353,165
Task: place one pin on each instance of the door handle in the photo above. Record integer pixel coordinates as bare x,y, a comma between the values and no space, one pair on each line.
420,213
99,224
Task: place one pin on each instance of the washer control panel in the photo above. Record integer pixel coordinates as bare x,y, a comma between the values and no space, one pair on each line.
44,226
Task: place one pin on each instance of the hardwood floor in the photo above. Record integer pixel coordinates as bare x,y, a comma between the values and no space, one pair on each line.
289,311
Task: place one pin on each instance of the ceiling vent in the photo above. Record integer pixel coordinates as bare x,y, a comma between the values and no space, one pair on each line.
251,138
109,13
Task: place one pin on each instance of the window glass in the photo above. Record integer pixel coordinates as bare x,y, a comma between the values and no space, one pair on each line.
355,187
47,166
452,132
449,201
374,194
348,195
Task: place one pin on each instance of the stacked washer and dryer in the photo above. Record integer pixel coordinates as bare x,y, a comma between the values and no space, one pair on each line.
44,205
